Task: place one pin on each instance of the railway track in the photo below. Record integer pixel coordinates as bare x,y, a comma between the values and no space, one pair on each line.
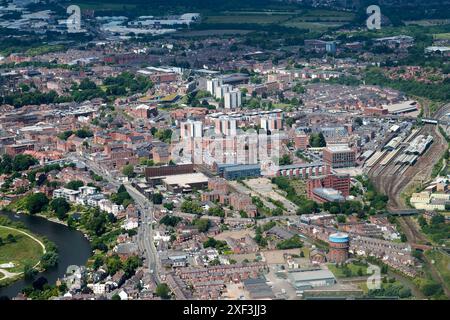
392,178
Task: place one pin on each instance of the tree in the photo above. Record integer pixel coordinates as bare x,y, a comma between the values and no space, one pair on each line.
98,262
170,220
28,271
293,242
193,207
285,160
422,222
60,206
36,202
113,264
169,206
216,211
317,140
115,297
128,171
404,293
10,238
202,224
163,291
430,288
96,221
83,133
307,207
22,162
131,264
40,283
358,121
74,184
157,198
49,259
6,164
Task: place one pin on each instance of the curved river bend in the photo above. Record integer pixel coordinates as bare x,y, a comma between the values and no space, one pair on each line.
73,249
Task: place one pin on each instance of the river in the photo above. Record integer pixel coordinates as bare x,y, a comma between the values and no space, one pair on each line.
73,249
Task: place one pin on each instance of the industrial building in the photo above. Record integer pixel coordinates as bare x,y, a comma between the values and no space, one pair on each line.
322,195
258,289
304,280
243,171
184,183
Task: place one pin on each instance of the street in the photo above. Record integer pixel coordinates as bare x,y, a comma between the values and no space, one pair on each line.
145,233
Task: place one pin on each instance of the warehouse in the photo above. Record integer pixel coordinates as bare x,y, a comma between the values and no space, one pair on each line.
303,280
184,183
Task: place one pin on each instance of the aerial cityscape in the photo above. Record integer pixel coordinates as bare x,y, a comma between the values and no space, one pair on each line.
234,150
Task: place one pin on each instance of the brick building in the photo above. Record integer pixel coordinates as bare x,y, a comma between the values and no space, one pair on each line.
333,181
339,156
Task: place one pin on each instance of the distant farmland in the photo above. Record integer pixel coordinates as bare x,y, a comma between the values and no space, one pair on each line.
316,20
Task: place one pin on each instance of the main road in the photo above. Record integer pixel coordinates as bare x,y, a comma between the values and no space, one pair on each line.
145,232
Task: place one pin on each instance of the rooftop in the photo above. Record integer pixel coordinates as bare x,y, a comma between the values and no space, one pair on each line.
186,179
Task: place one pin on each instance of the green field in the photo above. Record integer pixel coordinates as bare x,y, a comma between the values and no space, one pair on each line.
338,272
316,26
317,20
24,250
442,264
428,22
245,18
299,186
104,6
442,36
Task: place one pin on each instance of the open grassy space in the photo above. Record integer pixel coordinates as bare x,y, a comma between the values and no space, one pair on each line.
23,250
339,272
103,6
247,18
299,186
442,36
315,26
428,22
442,263
316,20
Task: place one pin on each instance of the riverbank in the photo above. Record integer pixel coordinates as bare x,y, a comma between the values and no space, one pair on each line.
19,248
73,249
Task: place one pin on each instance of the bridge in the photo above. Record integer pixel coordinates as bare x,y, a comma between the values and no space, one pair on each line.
405,212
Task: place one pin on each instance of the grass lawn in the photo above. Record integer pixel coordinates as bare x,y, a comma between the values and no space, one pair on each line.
442,36
338,272
24,250
442,263
299,186
247,18
428,22
316,20
314,26
103,6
